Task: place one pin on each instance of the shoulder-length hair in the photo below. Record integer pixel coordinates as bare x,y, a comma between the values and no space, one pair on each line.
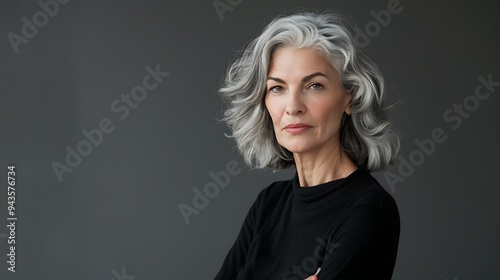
367,135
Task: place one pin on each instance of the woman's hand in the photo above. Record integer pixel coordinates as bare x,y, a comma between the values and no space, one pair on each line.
314,276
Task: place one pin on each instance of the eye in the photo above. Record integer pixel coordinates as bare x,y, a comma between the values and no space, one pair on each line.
316,86
276,89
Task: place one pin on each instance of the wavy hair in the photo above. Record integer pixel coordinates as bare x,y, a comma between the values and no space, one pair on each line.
367,134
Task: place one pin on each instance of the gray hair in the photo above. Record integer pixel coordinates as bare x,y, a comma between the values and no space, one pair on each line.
367,134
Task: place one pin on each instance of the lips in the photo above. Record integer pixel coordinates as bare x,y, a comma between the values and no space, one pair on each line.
296,128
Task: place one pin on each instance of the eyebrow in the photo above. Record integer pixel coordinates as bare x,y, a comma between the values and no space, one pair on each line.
305,79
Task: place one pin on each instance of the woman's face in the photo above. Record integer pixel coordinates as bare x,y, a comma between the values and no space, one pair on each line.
305,100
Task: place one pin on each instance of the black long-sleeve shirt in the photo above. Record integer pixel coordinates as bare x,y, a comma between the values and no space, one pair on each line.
349,227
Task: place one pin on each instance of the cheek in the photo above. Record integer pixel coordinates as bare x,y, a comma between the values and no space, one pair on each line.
274,111
327,112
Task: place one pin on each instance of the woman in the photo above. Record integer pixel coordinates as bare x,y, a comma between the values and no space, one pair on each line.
303,95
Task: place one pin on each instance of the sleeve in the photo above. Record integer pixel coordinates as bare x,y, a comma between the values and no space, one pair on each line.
236,258
365,243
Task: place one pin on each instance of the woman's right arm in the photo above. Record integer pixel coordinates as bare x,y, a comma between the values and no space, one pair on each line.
236,258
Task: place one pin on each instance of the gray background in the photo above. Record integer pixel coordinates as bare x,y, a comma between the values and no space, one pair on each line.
119,207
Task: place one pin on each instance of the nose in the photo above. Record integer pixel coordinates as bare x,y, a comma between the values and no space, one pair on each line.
295,104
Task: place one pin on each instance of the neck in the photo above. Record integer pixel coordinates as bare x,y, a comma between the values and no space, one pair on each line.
317,167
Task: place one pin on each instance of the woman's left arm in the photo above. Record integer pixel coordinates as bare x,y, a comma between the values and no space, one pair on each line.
366,241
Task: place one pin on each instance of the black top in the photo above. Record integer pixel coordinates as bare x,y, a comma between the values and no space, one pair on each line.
348,227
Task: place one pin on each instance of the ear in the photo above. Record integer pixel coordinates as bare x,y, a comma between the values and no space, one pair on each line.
347,109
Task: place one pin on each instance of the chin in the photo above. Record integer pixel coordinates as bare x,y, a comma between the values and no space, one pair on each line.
297,147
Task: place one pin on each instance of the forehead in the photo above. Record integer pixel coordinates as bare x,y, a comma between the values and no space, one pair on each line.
293,61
